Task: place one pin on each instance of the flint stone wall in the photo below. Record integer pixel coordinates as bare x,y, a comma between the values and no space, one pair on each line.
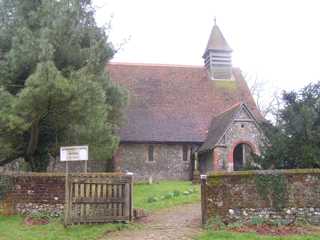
16,165
79,166
168,162
243,129
237,196
33,192
26,193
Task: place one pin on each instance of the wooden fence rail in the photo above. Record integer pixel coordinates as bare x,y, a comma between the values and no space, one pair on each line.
98,198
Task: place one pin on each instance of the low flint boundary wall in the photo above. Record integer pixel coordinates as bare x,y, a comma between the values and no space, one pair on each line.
286,196
33,192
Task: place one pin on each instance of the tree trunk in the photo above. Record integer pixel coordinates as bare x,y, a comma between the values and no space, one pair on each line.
34,155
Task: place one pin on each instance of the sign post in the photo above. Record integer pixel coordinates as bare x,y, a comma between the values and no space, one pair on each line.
75,153
67,154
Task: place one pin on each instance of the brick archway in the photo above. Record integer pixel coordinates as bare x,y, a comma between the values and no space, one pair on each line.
230,156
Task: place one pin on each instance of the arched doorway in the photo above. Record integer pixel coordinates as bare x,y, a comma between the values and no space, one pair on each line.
242,155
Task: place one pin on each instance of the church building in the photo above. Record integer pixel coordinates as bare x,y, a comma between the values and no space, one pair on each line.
184,118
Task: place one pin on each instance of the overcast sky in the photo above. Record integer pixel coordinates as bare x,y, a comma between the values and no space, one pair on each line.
278,41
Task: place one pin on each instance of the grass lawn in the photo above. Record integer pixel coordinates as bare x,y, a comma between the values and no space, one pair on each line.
13,228
161,191
225,235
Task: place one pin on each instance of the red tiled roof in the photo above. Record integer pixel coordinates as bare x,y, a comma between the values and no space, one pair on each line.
218,126
174,103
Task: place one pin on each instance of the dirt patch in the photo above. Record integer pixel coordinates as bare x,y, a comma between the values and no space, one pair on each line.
275,230
179,223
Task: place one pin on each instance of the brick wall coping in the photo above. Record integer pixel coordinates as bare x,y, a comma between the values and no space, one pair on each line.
60,174
265,172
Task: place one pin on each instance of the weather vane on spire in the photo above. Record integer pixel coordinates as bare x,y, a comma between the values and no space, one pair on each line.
215,20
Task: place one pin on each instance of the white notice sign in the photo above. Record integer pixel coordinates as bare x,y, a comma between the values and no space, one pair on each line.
74,153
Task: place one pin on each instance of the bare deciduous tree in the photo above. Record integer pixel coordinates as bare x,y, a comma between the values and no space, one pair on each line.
266,96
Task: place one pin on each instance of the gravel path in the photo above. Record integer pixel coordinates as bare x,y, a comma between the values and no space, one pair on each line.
179,223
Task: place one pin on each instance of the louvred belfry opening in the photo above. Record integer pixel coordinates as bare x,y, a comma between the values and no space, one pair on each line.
217,56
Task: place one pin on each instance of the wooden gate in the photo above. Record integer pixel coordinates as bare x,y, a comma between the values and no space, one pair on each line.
98,198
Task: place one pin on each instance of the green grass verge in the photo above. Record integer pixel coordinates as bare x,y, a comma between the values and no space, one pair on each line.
225,235
13,227
143,192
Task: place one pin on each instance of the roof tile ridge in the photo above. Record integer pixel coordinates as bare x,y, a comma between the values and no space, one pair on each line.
237,104
154,64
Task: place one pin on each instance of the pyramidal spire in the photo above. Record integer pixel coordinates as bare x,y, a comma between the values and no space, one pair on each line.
217,55
216,40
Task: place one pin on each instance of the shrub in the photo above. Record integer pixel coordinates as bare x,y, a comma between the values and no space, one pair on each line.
279,222
192,190
38,215
236,224
176,193
215,223
169,195
152,199
257,220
